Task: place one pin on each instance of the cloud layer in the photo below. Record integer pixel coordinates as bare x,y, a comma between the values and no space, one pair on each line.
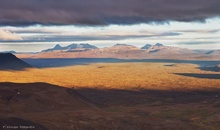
84,38
104,12
7,35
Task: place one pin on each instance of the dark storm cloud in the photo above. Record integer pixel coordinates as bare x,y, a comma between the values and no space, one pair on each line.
104,12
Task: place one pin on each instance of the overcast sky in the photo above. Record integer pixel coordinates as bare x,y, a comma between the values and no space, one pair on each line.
33,25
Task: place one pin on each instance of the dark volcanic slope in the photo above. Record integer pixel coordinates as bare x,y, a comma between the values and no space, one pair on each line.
9,61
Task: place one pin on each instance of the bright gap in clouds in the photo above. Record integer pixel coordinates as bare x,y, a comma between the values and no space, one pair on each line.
192,35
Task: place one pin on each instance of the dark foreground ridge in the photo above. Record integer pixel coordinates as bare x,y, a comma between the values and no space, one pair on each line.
52,107
37,99
9,61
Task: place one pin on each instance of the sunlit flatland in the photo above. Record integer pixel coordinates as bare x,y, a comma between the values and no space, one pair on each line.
117,75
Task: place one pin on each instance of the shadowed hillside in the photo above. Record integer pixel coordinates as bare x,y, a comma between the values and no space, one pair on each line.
40,97
9,61
17,100
45,106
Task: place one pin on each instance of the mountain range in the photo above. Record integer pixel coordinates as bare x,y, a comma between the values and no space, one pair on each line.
124,51
72,47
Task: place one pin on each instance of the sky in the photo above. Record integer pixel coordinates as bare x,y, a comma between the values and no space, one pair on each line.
34,25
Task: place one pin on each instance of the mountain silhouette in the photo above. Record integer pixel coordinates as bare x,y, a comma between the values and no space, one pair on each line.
57,47
9,61
147,46
70,47
158,44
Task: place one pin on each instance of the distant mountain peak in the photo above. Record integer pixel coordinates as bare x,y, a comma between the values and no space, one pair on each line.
70,47
84,44
158,44
57,47
122,45
81,45
73,44
147,46
87,46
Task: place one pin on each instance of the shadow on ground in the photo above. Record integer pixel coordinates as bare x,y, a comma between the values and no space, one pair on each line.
210,68
62,62
205,76
148,97
53,107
